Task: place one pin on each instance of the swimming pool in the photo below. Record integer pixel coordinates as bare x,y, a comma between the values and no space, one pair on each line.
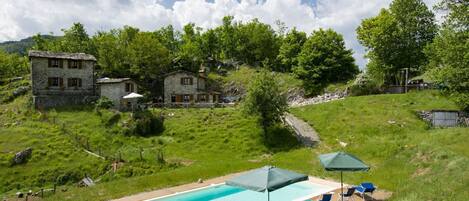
224,192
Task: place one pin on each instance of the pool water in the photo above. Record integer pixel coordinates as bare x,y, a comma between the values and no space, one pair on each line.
228,193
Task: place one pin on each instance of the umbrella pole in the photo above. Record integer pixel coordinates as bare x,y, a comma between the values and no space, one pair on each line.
341,186
268,195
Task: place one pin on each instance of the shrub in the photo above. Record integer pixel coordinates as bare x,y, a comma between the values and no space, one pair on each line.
144,123
364,85
103,103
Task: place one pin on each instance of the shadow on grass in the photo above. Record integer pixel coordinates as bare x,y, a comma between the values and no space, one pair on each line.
280,139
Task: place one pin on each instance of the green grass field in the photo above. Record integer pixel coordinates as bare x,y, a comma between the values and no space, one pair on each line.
407,157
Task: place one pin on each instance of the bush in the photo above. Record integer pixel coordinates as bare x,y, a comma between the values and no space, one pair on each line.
103,103
364,85
144,123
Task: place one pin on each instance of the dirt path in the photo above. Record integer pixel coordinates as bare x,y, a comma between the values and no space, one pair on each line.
304,132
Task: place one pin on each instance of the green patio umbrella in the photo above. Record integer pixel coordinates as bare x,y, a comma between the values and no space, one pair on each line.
266,179
341,161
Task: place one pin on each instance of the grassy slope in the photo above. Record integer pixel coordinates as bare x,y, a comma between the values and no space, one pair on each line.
200,139
409,158
221,141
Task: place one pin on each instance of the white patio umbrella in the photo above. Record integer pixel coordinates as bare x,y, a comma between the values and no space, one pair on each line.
132,96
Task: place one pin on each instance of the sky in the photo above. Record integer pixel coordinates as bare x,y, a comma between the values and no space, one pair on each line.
22,18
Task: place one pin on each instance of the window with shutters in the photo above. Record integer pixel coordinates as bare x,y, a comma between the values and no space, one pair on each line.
186,81
74,64
129,87
186,98
54,63
74,82
54,81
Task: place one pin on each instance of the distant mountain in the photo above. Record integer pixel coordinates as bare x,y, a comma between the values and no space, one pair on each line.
20,47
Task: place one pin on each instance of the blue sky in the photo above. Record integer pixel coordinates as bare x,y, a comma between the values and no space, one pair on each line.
23,18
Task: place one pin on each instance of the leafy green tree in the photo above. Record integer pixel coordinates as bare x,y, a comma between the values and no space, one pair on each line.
228,37
75,39
169,38
190,55
209,44
12,65
323,60
149,58
257,43
289,50
264,99
449,52
40,43
113,51
395,39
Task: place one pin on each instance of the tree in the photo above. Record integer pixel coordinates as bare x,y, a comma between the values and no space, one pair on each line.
289,50
265,100
75,39
395,38
449,52
12,65
323,60
149,58
256,44
113,52
190,55
227,34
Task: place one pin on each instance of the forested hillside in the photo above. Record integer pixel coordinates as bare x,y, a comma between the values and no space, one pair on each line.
22,46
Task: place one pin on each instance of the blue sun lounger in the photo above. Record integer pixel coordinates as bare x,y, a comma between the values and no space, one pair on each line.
366,187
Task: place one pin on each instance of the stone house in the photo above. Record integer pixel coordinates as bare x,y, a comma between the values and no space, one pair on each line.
60,79
115,89
182,87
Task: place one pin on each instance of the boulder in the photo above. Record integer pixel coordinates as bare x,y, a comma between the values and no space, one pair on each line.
20,91
22,156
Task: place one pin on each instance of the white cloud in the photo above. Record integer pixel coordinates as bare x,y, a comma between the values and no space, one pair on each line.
22,18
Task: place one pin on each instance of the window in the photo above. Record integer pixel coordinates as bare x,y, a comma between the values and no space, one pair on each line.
202,98
55,63
186,81
129,87
173,98
74,82
186,98
55,82
74,64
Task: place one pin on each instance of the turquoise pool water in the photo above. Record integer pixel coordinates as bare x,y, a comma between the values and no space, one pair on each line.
229,193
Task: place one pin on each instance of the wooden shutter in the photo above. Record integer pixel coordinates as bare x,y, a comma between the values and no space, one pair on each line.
61,63
49,81
69,82
61,82
191,81
80,64
50,62
182,81
79,82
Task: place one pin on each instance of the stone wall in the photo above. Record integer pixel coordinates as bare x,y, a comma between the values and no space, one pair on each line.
172,85
45,96
115,92
50,101
462,120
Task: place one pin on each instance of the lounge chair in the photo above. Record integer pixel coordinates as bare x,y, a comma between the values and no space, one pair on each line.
366,187
326,197
348,194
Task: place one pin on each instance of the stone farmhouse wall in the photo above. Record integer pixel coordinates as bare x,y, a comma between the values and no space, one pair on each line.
172,85
45,96
115,92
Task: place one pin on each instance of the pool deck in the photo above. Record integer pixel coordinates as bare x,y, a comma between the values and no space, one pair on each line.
206,183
